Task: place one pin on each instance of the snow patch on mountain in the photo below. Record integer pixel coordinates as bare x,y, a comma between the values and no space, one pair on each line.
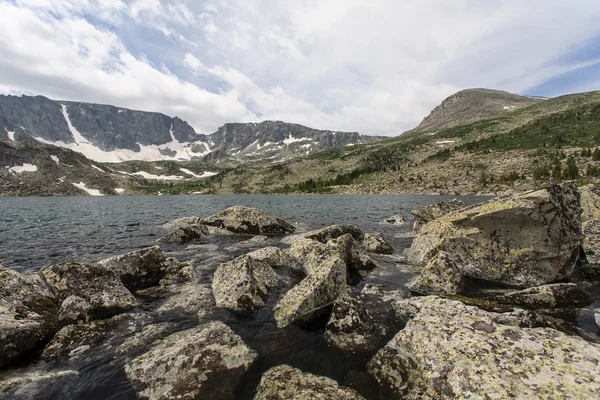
91,192
55,159
147,175
23,168
11,135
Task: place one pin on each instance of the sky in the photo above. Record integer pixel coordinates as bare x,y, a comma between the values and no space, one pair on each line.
372,66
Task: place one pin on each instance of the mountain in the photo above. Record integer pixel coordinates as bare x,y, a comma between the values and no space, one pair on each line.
471,105
107,133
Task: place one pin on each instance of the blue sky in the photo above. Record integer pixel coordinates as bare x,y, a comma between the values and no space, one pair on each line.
372,66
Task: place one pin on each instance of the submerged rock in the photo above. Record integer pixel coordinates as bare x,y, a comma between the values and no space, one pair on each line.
361,324
244,284
557,295
100,287
248,220
440,276
323,235
138,269
374,242
434,211
524,240
148,335
37,384
394,220
28,313
204,362
451,350
287,383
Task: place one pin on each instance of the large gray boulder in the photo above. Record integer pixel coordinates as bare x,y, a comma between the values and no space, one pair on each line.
434,211
250,221
451,350
525,240
440,276
100,287
186,234
357,260
552,296
204,362
360,324
28,313
287,383
375,243
244,284
274,256
324,235
591,248
138,269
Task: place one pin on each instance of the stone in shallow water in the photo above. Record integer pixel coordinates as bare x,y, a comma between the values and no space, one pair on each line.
287,383
205,362
323,235
243,284
394,220
451,350
38,384
100,287
556,295
375,243
248,220
186,234
138,269
28,313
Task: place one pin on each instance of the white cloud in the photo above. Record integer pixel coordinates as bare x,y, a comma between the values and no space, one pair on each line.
373,66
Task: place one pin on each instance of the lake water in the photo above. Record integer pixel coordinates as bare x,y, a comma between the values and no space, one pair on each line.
36,232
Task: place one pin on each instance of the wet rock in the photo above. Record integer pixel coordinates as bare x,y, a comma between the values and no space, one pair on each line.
185,234
597,318
361,324
28,313
182,222
524,240
204,362
148,335
286,383
274,256
248,220
187,299
451,350
362,382
178,272
323,235
434,211
74,310
74,341
357,261
244,284
590,202
323,284
37,384
440,276
138,269
394,220
100,287
375,243
557,295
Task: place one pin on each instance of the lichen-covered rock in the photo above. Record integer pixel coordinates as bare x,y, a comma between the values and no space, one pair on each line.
394,220
434,211
590,202
353,254
148,335
205,362
73,341
37,384
186,233
74,310
556,295
591,248
525,240
440,276
138,269
451,350
324,235
181,222
99,286
28,313
274,256
375,243
187,299
178,272
323,284
244,284
248,220
361,324
287,383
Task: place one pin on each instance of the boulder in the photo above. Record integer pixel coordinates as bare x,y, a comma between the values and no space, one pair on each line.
37,383
181,222
100,287
590,202
363,323
287,383
591,248
524,240
557,295
451,350
250,221
244,284
178,272
138,269
434,211
323,235
185,234
440,276
148,335
74,310
274,256
28,313
394,220
375,243
204,362
323,284
357,261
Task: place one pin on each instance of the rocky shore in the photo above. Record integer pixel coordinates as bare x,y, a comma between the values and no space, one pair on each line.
491,314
